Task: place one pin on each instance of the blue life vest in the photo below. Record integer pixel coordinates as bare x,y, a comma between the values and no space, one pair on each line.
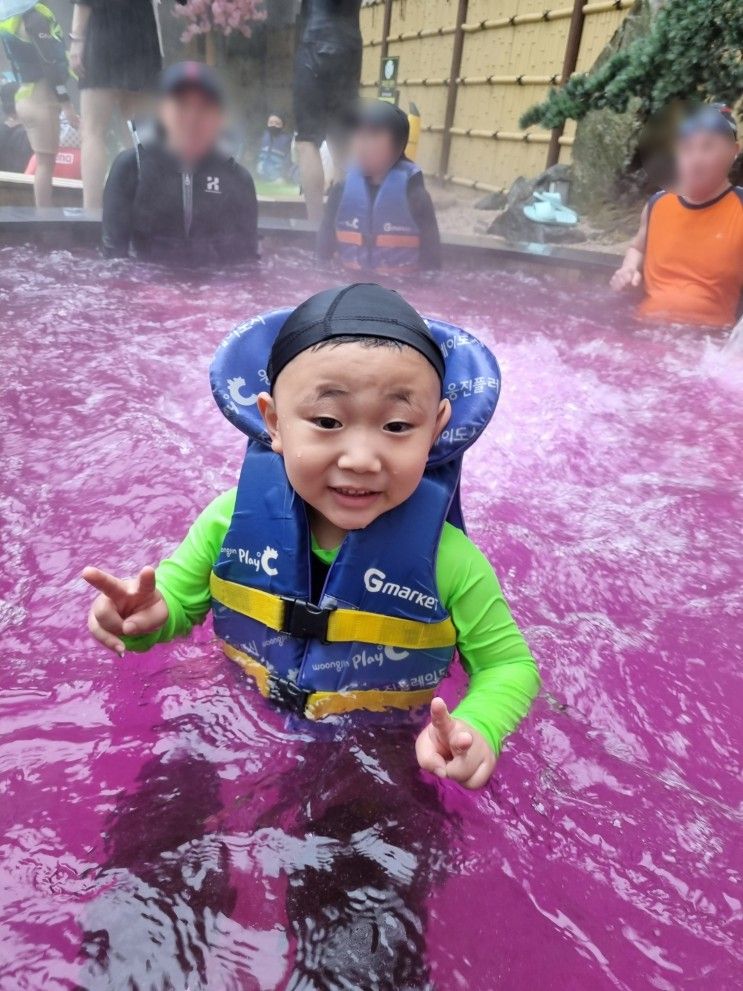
273,156
379,636
380,235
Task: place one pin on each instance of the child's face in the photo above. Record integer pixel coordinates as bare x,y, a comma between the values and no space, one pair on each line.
355,426
374,151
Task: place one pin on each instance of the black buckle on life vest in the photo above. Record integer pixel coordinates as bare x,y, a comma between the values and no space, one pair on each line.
305,620
287,695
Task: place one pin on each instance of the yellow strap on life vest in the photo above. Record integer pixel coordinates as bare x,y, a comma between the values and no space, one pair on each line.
344,625
321,704
250,666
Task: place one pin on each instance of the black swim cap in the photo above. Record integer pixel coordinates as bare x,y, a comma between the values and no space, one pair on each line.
379,115
359,310
715,118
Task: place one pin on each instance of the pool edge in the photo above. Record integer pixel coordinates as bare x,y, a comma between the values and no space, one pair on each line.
65,227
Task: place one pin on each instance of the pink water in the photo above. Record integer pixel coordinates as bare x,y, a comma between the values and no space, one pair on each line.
162,828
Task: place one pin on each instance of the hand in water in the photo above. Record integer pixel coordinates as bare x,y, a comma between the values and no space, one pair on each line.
451,748
626,277
126,606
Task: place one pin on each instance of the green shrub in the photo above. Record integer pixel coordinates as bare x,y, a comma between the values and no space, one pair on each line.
693,51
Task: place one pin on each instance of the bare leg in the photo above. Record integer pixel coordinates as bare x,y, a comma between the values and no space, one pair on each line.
312,177
39,114
338,152
96,106
43,179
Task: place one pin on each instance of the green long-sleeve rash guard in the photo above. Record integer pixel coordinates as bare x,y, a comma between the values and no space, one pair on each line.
503,678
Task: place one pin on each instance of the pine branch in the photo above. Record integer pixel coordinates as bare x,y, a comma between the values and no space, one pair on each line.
693,51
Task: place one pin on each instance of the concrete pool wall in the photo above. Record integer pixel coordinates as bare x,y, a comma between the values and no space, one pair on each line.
69,227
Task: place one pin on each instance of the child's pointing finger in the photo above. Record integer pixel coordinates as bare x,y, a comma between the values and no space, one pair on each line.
103,582
441,721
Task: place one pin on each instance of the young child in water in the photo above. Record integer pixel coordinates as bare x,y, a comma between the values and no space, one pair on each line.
341,502
381,217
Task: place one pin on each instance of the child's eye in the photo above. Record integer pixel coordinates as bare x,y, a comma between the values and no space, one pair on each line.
397,427
327,422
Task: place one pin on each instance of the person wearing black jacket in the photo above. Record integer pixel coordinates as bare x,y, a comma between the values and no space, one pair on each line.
177,198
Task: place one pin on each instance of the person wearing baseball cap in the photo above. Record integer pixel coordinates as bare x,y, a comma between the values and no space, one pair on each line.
688,253
380,218
178,197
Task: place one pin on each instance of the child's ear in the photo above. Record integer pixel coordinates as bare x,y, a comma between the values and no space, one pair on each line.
267,409
442,417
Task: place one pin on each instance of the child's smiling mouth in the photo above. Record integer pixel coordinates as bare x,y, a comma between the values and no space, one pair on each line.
350,496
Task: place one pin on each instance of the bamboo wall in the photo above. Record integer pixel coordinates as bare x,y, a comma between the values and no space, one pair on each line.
513,50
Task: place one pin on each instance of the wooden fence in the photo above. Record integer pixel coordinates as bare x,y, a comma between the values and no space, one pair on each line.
473,67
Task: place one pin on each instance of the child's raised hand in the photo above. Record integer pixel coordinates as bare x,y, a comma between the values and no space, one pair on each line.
451,748
126,606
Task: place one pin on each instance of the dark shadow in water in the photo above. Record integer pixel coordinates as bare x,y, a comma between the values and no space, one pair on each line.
356,915
359,919
148,930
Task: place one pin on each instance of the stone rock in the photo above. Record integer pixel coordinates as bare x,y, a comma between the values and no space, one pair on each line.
562,172
606,142
562,235
521,191
515,226
491,201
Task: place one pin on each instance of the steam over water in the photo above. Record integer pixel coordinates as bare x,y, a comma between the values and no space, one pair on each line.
162,828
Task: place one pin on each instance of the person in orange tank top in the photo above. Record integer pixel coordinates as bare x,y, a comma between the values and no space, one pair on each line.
688,252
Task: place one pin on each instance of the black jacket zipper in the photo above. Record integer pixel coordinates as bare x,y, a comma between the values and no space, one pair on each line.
187,186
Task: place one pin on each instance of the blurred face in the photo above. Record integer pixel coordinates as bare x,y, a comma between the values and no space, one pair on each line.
193,123
374,151
275,123
703,162
355,426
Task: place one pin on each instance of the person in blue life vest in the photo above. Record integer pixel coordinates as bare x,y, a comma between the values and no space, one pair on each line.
381,218
338,571
274,160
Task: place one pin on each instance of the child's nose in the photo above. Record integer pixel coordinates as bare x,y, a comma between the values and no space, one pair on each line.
361,459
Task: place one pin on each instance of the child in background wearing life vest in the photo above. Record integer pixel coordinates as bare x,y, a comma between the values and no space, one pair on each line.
688,253
381,218
353,410
274,160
